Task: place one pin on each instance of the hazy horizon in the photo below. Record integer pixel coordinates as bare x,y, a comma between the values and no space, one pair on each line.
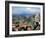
25,11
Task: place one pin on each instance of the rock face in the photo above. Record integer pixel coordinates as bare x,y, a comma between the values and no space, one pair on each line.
37,18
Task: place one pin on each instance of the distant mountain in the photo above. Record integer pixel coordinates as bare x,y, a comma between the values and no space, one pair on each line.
23,14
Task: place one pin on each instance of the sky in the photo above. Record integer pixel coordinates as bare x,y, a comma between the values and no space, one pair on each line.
25,10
